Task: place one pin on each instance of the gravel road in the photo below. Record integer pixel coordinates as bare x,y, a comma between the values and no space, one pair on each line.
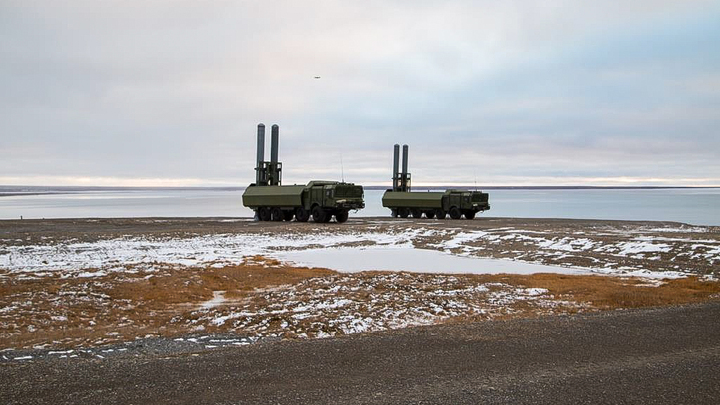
669,355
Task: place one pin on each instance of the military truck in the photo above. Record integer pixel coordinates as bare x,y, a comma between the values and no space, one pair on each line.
272,201
433,204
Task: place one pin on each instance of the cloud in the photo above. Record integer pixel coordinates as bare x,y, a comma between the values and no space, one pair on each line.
514,91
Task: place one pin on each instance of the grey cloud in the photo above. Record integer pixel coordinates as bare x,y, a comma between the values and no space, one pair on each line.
508,90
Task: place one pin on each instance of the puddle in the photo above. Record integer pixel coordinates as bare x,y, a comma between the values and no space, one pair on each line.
394,258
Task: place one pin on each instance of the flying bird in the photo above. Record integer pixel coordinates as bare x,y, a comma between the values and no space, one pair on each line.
317,77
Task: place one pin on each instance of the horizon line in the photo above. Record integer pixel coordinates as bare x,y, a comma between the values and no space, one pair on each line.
375,186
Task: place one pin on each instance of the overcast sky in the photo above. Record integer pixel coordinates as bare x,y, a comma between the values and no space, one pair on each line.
502,93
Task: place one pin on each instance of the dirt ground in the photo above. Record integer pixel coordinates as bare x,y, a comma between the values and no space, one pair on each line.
44,304
668,355
548,241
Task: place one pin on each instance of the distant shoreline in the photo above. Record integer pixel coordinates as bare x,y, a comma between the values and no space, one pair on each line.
15,191
548,187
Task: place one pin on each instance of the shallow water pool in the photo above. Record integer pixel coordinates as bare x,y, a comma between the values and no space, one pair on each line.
407,258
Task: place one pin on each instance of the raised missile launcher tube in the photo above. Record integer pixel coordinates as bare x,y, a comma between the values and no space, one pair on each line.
320,199
259,167
396,169
438,204
405,176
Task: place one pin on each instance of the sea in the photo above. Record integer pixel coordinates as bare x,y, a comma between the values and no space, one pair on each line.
696,206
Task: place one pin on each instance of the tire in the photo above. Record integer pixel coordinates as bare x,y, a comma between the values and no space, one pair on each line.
416,213
342,217
393,212
277,214
430,214
264,213
455,213
403,212
301,214
440,213
288,215
318,214
469,214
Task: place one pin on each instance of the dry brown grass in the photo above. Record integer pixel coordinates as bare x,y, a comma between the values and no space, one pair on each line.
122,306
197,285
605,292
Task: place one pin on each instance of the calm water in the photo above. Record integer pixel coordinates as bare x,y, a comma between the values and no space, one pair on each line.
394,258
694,206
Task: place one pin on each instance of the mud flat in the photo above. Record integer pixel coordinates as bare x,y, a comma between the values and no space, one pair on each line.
97,287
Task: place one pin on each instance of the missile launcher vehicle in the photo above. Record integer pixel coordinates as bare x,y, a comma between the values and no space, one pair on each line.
272,201
433,204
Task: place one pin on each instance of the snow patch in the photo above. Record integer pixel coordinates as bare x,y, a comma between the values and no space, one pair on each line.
217,299
634,247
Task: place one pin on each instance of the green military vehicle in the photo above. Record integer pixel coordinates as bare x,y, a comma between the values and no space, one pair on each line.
436,204
320,199
272,201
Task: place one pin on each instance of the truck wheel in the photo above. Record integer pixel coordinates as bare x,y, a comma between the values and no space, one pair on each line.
393,212
416,213
277,214
440,213
342,216
469,214
403,212
301,214
455,213
288,215
318,214
328,216
264,213
430,214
